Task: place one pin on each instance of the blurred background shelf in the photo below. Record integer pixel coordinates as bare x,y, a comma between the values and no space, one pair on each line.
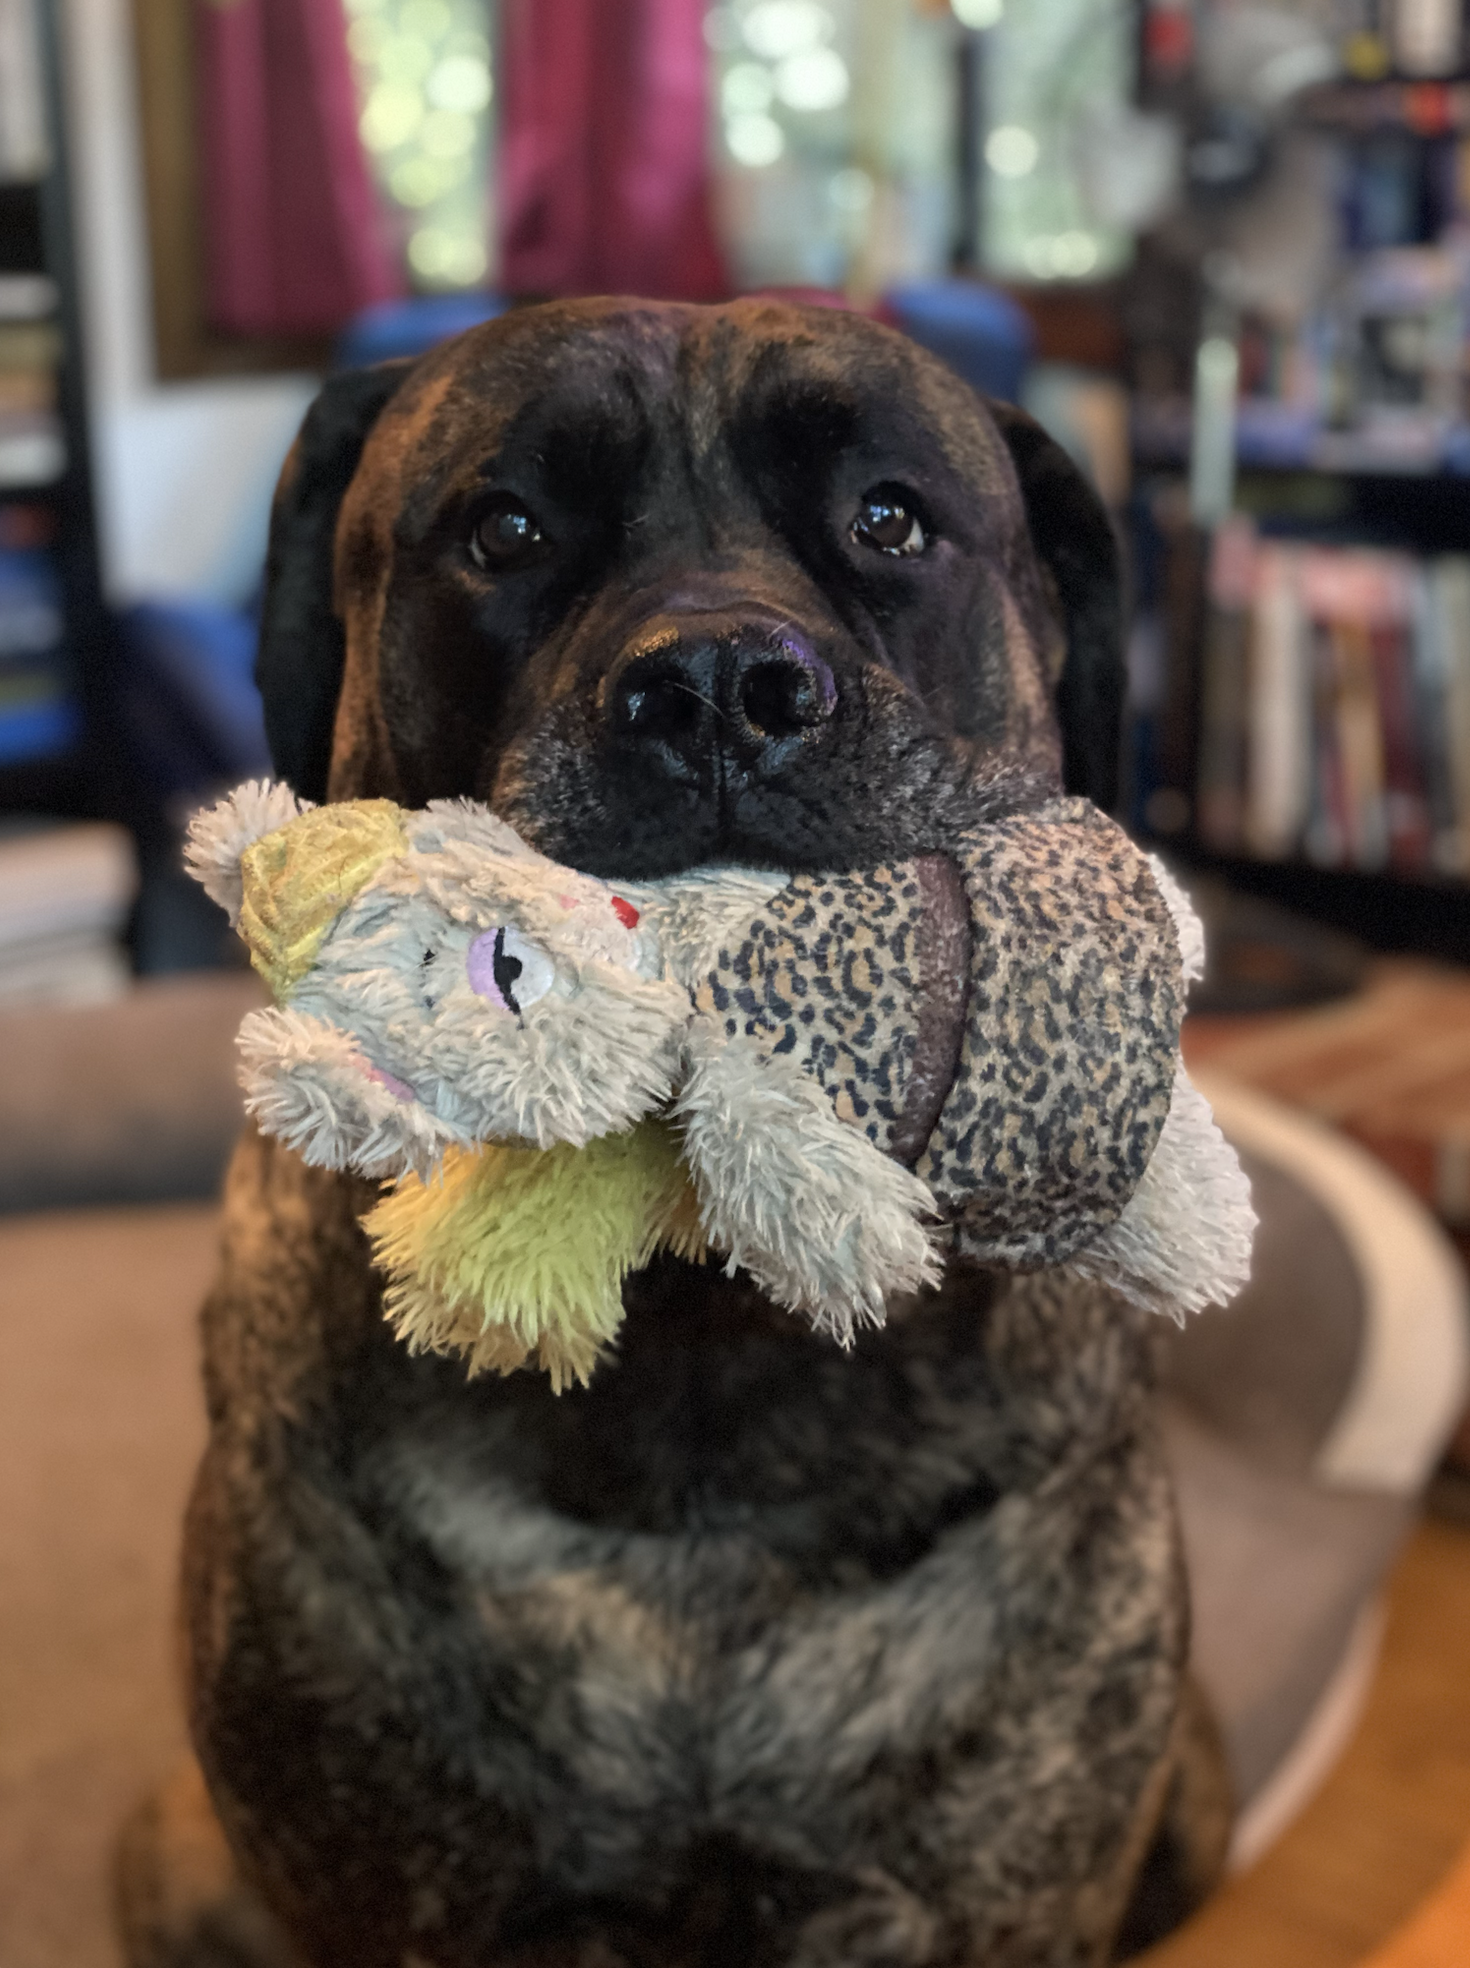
55,635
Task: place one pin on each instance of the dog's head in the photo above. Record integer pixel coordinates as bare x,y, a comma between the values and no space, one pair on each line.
666,584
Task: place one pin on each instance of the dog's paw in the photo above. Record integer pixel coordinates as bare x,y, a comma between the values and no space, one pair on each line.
178,1899
882,1925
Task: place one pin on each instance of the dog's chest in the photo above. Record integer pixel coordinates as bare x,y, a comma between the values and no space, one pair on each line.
634,1687
673,1665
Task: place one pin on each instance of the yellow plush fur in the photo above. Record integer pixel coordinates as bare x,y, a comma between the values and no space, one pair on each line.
297,879
511,1253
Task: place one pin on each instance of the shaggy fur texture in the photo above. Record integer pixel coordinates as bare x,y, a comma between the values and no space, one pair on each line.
1184,1241
516,1256
754,1651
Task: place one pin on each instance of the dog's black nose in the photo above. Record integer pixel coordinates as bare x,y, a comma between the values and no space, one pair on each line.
737,692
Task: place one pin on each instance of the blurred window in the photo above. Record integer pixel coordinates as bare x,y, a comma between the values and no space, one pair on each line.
834,133
425,87
1058,80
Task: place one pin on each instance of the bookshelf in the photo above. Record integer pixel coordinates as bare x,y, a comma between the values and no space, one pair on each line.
1348,666
55,633
1302,726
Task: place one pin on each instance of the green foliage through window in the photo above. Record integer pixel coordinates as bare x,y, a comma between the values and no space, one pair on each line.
425,88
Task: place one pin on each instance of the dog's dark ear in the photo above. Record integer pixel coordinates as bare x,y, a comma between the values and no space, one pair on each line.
298,667
1076,541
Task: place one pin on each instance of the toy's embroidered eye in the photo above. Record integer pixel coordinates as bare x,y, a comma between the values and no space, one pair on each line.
508,970
427,980
886,522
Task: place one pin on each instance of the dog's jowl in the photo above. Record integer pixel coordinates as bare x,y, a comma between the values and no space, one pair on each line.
754,1650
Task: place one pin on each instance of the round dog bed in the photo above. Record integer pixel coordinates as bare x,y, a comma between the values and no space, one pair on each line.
1303,1423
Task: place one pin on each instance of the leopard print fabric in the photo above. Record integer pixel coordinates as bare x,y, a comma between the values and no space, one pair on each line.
828,974
1070,1032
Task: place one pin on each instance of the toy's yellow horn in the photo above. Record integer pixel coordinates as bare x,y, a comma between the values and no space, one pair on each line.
298,879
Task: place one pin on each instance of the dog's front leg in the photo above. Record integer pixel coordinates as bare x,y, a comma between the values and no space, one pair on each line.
882,1925
179,1896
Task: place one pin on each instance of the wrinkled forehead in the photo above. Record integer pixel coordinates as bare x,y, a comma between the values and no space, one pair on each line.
594,389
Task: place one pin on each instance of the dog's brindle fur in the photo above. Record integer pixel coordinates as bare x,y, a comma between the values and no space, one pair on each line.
755,1651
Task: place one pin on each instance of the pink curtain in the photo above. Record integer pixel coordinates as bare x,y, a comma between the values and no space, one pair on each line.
604,182
294,236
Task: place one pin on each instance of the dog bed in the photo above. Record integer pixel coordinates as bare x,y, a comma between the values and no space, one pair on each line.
1302,1424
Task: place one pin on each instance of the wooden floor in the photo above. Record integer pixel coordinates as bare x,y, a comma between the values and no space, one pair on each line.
1391,1821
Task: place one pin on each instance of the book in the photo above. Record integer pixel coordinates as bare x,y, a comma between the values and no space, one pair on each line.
1450,587
1429,666
1354,600
1325,836
1224,685
1335,706
63,879
65,893
23,144
1279,711
32,620
1405,806
32,448
64,970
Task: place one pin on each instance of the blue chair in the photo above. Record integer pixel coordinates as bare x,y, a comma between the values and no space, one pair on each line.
186,696
409,327
983,335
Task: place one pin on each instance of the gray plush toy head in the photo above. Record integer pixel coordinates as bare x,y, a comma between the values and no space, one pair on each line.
437,982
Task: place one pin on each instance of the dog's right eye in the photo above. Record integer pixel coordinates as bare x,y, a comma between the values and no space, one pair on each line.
887,524
505,534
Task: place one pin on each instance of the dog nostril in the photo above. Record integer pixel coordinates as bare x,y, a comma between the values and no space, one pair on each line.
658,703
781,698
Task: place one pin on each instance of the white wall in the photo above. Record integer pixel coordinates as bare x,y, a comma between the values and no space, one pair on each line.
183,470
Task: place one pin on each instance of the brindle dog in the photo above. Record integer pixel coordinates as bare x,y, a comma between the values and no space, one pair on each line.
755,1651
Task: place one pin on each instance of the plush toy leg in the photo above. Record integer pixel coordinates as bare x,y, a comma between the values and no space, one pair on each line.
310,1085
515,1253
1184,1240
820,1218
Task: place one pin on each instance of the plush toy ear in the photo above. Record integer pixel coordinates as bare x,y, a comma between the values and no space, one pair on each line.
302,648
1074,537
298,880
219,835
310,1085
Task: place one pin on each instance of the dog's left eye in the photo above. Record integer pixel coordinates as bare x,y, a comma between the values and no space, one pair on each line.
505,533
887,525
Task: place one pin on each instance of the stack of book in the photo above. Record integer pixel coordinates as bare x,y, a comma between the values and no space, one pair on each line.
32,449
65,893
38,708
1335,705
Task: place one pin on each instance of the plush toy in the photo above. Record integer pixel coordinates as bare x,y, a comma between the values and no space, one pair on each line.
829,1080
